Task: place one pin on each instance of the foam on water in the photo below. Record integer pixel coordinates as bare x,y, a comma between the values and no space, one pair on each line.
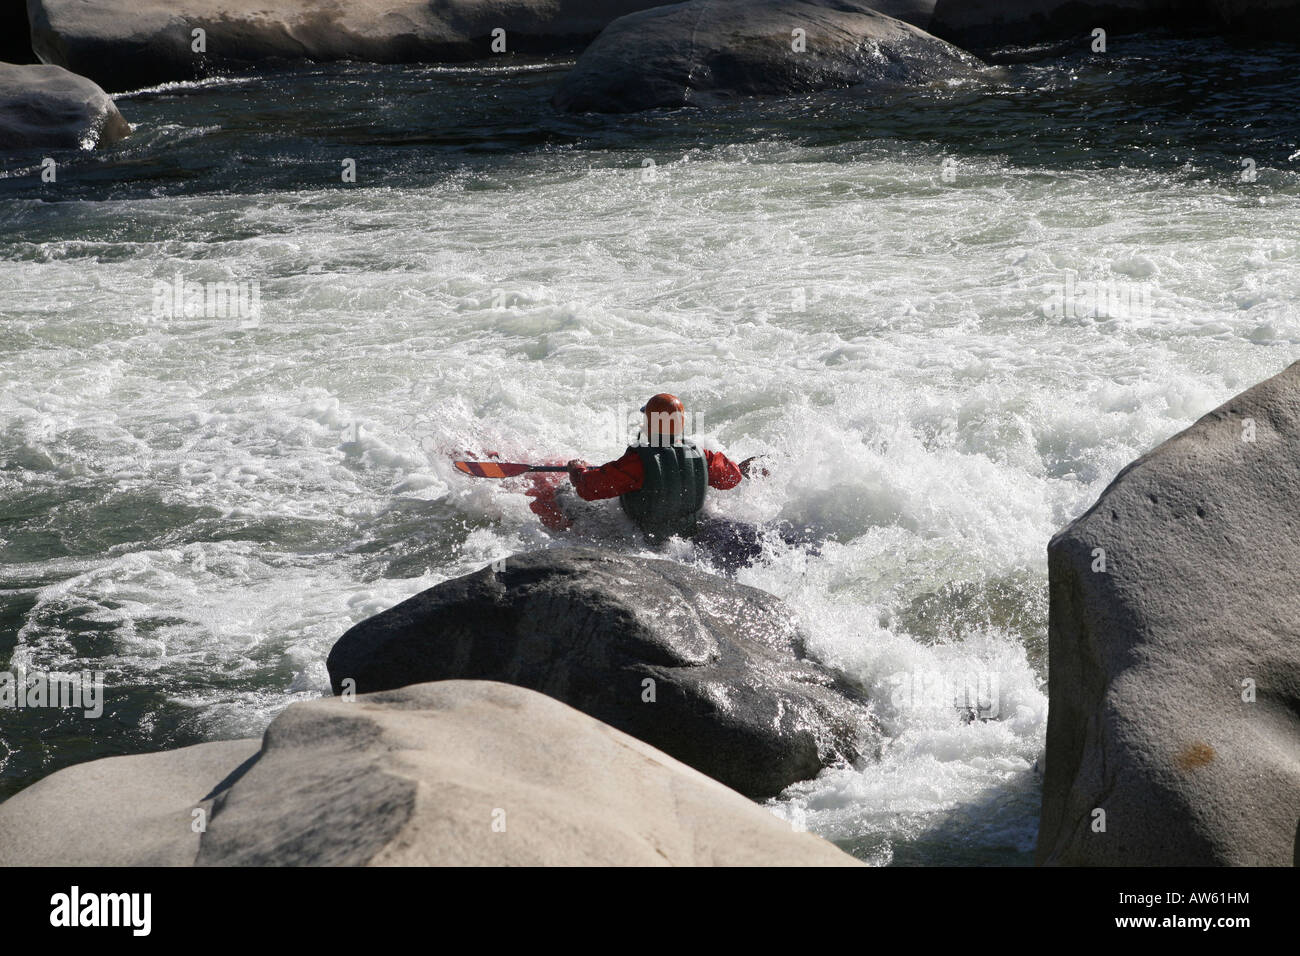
207,505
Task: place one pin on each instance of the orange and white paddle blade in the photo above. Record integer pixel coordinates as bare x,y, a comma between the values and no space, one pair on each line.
492,469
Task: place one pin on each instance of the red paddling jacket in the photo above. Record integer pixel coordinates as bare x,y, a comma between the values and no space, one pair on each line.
661,488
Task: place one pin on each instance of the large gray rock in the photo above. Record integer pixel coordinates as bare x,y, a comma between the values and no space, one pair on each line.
733,693
457,773
984,23
48,107
1150,658
129,45
703,51
119,811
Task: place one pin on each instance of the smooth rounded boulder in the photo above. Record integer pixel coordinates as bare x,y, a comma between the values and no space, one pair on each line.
706,51
705,669
460,773
46,107
127,46
137,810
1173,737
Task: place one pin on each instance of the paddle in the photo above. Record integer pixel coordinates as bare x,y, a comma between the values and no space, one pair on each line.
502,469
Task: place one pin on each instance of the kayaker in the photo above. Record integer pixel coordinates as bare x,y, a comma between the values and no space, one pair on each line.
660,481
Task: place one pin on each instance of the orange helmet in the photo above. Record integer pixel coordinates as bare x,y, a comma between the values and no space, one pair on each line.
665,416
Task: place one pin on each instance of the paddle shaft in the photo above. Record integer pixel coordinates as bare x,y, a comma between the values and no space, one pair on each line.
502,469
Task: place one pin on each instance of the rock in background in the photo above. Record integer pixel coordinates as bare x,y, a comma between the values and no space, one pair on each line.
48,107
457,773
1197,605
696,53
707,670
129,45
1272,19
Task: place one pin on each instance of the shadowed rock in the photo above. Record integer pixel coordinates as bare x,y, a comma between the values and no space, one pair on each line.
1274,19
989,23
705,669
451,774
704,51
1196,607
130,45
15,34
48,107
468,772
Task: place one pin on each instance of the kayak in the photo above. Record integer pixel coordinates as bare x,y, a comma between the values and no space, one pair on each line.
729,544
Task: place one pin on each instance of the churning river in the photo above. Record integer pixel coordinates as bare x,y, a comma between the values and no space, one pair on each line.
948,316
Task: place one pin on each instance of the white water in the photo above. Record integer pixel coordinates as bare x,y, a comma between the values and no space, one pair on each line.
922,410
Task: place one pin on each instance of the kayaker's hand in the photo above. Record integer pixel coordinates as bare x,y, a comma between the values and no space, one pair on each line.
577,465
759,470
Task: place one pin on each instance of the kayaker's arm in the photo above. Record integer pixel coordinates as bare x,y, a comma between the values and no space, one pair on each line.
609,480
723,472
627,474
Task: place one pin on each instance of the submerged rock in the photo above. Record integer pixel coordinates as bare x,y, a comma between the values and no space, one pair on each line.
48,107
125,46
702,51
1175,651
710,671
457,773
